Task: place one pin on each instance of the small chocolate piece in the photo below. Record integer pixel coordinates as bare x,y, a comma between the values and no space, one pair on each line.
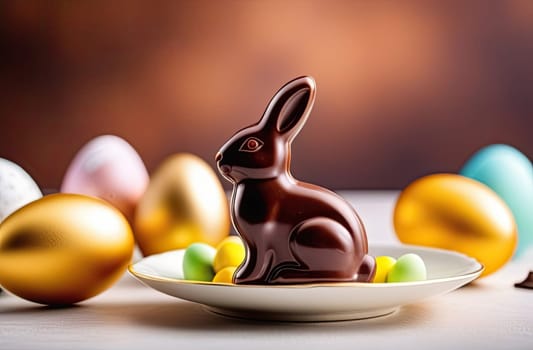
527,283
294,232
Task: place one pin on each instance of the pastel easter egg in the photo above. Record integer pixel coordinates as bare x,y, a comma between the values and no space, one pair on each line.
183,204
454,212
63,248
383,266
509,173
230,252
408,268
17,188
109,168
198,262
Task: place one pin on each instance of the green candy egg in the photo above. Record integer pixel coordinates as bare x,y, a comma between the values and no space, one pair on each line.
408,268
198,262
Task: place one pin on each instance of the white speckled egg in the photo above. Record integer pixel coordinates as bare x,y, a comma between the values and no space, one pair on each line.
17,188
109,168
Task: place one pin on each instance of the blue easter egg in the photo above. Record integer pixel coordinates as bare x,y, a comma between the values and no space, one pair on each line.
509,173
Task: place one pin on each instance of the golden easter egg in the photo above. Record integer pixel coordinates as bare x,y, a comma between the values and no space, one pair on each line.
63,248
184,203
454,212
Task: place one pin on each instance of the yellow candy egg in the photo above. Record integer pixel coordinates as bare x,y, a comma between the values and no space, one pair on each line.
383,266
183,204
225,275
63,248
453,212
230,252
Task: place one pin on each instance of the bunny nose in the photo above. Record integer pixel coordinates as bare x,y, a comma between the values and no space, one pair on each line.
218,157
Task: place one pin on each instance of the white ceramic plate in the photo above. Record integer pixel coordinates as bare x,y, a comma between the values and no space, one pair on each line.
312,302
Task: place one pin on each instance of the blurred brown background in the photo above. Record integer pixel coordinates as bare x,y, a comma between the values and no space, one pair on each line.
404,89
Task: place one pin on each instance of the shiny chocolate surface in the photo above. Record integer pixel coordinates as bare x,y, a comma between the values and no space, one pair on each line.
526,283
294,232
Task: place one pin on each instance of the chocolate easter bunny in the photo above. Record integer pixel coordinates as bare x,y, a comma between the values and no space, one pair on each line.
294,232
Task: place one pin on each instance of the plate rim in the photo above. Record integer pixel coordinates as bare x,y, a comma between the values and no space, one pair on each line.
478,271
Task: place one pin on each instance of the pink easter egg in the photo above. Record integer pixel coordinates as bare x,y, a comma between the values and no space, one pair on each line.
109,168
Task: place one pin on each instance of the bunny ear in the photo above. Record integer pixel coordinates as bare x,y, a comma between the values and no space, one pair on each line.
289,109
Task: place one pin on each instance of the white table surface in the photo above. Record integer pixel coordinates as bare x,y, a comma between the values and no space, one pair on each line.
489,314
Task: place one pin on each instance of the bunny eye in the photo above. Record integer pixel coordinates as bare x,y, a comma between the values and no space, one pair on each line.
251,144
